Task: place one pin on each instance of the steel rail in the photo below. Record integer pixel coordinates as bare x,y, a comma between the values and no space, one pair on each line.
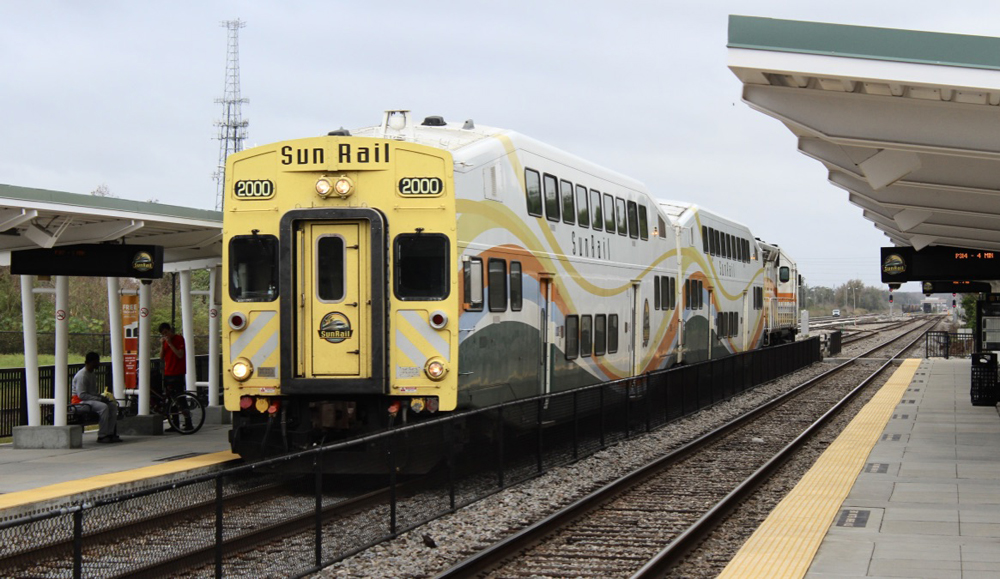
493,555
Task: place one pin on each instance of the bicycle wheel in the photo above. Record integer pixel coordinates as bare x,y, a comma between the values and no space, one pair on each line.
186,413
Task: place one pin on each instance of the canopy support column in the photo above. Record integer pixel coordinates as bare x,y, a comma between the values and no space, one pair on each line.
61,386
213,337
187,324
117,345
144,335
30,349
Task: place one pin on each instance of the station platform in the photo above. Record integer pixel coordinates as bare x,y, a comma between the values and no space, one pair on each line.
911,488
36,480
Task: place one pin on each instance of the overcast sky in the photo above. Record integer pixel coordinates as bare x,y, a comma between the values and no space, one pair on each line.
123,94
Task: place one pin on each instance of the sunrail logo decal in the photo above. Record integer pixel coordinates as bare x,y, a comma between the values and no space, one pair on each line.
928,287
893,264
335,328
142,262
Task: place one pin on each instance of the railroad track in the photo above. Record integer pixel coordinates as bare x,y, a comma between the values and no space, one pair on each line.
621,529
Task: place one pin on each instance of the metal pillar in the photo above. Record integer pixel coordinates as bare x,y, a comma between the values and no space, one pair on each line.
144,369
213,336
61,387
30,349
187,322
117,345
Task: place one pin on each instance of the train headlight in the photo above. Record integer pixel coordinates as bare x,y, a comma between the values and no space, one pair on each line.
343,186
242,369
324,187
435,369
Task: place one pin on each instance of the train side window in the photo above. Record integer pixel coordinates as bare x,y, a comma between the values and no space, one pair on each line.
730,253
586,341
497,269
622,218
473,272
735,325
687,294
662,226
582,211
643,223
568,211
716,245
330,268
612,333
633,220
609,213
421,266
253,268
718,325
670,293
656,292
600,334
704,239
515,286
783,274
533,189
572,337
551,197
595,206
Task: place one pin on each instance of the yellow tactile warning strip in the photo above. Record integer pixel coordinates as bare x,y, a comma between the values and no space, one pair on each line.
786,542
74,487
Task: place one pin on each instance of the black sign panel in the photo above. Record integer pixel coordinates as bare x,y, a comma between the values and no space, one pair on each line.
91,260
953,287
939,263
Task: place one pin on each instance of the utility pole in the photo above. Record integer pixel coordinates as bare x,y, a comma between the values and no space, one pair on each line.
232,127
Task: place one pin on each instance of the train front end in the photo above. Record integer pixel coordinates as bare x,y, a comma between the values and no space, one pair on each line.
340,290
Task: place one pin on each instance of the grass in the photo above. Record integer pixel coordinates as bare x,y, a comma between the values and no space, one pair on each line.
17,360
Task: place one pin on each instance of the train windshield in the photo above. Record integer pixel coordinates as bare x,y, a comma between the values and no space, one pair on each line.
421,266
253,268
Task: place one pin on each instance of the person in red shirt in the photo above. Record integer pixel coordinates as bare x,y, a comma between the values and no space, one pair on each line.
172,357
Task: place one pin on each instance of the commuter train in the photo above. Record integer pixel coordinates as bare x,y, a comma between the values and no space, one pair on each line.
383,275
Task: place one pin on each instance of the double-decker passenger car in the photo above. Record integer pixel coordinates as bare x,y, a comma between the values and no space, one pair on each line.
377,276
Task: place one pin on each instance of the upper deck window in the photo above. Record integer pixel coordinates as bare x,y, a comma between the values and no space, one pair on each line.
633,220
643,223
609,213
582,211
622,218
595,205
253,268
569,212
533,189
551,197
421,266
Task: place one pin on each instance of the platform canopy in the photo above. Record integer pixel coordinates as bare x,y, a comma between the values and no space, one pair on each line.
907,122
39,218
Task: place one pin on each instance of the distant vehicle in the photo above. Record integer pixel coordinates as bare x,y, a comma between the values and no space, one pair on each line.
836,313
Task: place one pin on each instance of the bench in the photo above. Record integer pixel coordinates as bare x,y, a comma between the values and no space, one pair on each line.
81,414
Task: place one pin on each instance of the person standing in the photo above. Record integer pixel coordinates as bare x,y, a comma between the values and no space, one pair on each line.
85,387
172,357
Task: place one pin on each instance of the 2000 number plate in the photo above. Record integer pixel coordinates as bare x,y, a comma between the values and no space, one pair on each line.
420,186
254,189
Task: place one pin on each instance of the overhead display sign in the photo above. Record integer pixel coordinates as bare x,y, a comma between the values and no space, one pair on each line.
91,260
952,287
939,263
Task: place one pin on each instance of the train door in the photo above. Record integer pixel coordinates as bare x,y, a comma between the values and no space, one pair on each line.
544,317
711,321
745,325
332,292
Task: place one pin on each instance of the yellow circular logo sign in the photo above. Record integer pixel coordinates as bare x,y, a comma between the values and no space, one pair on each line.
335,328
142,262
894,264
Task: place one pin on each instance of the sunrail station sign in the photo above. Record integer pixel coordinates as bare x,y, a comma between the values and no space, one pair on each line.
91,260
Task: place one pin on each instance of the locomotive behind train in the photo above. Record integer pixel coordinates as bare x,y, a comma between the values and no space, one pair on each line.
384,275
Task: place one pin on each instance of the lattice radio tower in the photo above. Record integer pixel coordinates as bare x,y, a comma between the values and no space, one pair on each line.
232,127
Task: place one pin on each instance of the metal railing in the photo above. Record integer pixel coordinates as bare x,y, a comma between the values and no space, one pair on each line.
948,345
517,441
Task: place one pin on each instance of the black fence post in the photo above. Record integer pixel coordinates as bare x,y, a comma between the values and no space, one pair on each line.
601,390
449,437
500,449
541,410
576,428
318,531
392,484
78,543
628,407
218,527
647,396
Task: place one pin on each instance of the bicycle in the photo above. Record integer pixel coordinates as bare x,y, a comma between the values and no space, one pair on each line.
184,411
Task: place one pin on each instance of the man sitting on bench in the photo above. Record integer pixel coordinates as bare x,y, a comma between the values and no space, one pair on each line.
85,387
